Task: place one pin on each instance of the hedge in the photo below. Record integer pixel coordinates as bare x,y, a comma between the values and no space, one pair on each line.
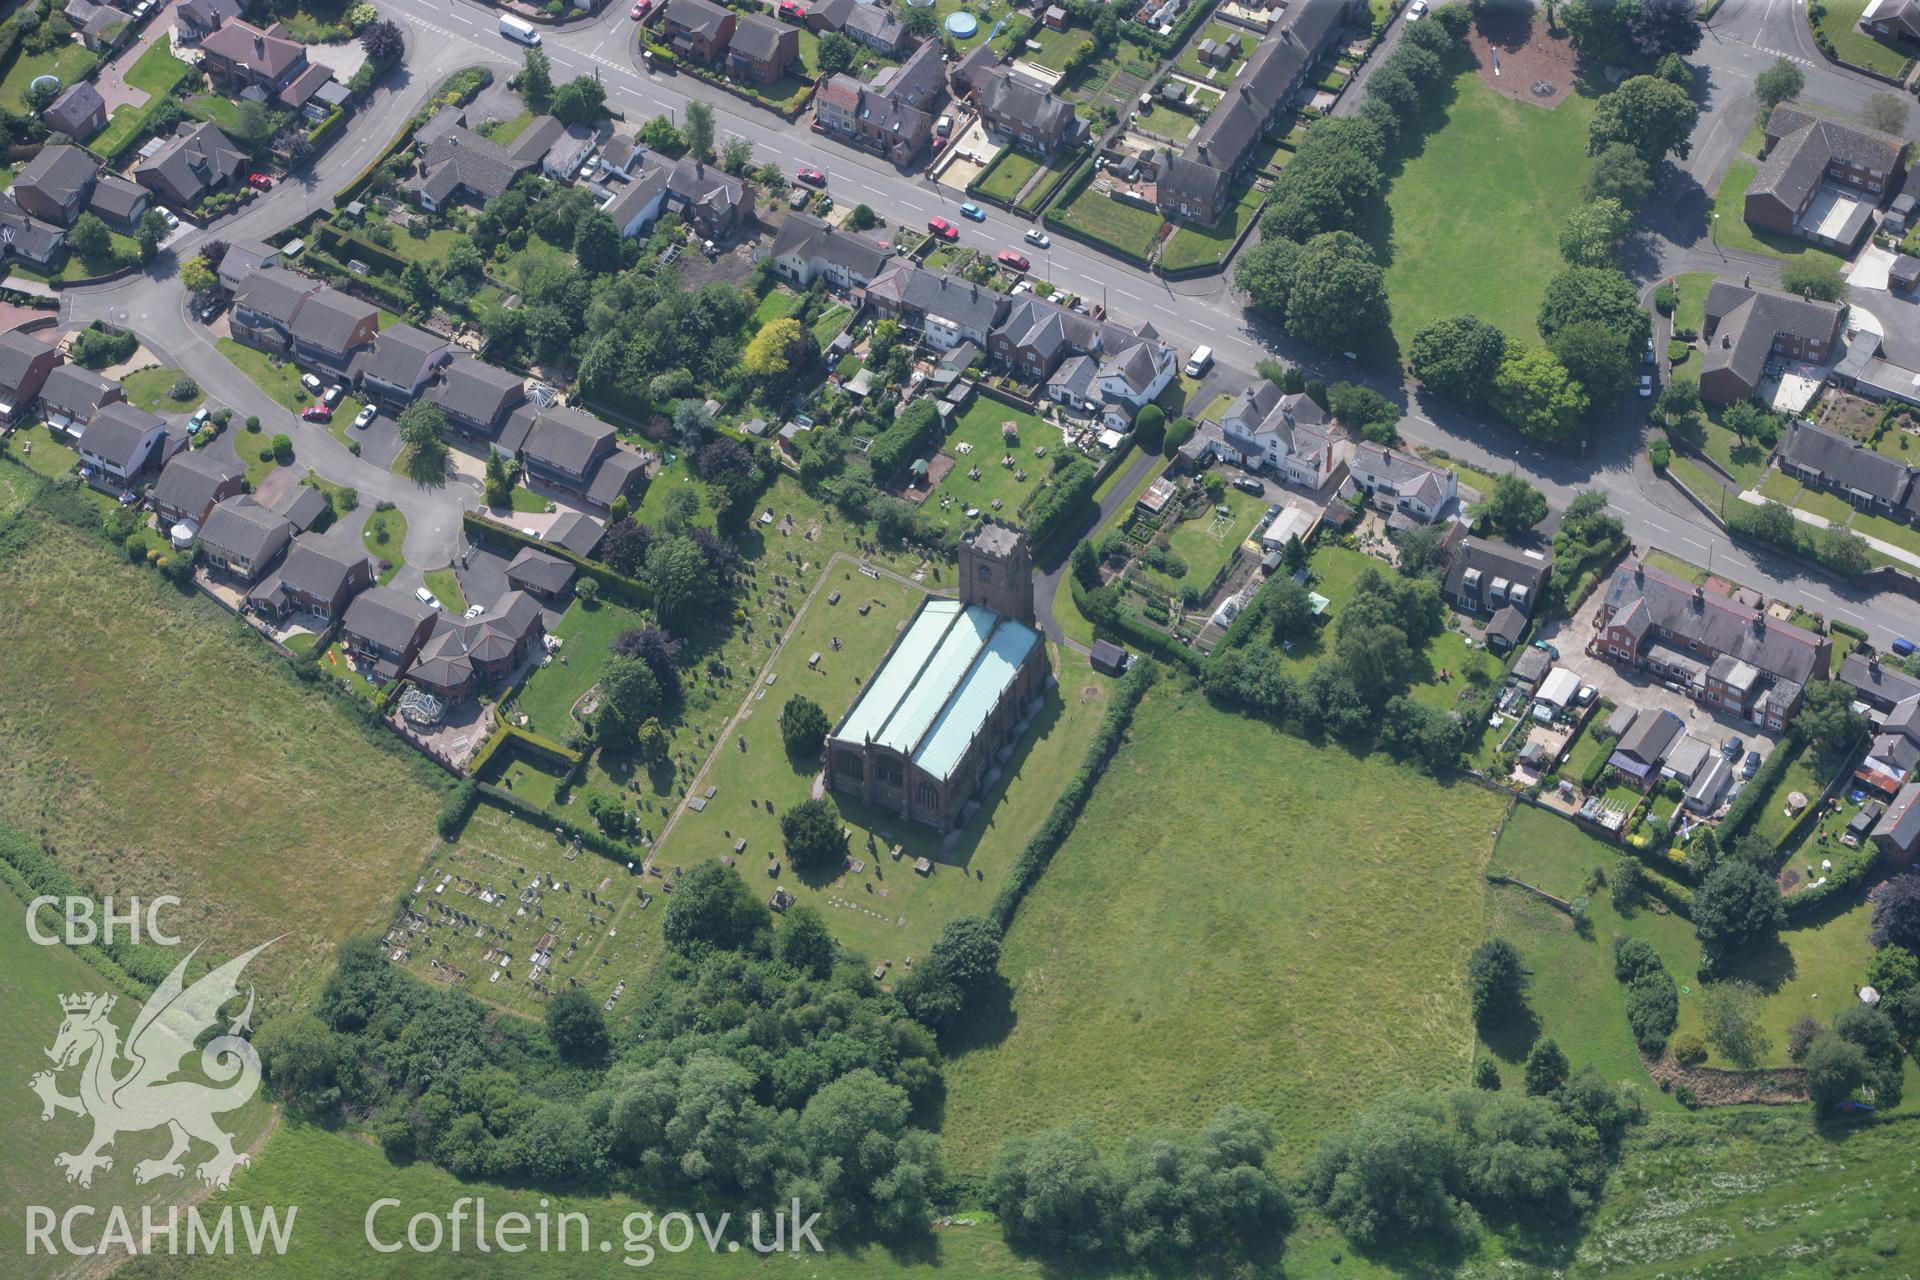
1061,501
1746,806
1066,810
322,133
1844,878
614,585
1848,629
905,438
359,247
460,88
544,751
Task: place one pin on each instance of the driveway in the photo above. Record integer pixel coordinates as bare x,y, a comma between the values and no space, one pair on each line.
112,82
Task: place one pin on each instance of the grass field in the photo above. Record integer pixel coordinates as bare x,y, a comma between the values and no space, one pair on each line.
1839,21
1690,312
70,62
1208,540
1475,214
148,389
979,427
253,797
1180,953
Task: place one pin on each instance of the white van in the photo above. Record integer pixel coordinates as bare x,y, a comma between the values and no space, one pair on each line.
1200,362
518,30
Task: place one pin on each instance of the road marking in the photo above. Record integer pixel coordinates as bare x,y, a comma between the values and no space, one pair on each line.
1850,613
1651,525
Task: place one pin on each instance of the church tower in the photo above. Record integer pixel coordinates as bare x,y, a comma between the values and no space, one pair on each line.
996,570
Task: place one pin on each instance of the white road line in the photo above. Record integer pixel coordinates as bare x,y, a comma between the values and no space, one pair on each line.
1123,293
1651,525
1850,613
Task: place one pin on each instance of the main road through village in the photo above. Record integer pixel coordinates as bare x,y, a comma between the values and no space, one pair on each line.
446,35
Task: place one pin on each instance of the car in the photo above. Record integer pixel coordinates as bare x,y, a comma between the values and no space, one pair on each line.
365,417
474,611
333,395
1902,646
812,177
1751,765
640,10
1273,511
943,126
166,216
1732,747
1547,649
939,143
317,413
1038,238
973,212
1646,357
1247,484
311,383
199,418
793,9
426,597
1646,385
942,228
209,311
260,182
590,169
1016,261
1416,10
826,204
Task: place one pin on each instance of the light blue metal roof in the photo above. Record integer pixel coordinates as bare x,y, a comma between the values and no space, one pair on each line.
883,693
939,682
979,693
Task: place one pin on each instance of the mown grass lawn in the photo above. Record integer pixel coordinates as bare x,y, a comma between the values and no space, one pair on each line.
980,427
1192,246
1208,540
70,62
1475,215
445,585
1130,226
1730,228
157,71
1839,22
276,811
548,696
1010,173
150,389
385,535
1180,952
1690,312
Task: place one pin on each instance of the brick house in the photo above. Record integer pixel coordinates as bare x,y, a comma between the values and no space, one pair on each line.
697,29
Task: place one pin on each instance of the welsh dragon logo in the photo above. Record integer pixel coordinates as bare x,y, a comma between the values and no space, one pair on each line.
144,1095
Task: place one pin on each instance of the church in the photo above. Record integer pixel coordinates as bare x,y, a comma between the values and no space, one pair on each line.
956,691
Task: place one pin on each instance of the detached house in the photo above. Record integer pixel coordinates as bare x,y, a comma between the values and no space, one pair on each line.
697,29
540,575
572,450
25,362
239,55
455,164
403,361
1265,427
1403,483
892,116
242,539
761,49
119,446
197,161
55,185
1869,480
638,204
1746,327
71,396
462,655
1485,577
195,20
707,197
189,486
807,249
477,397
315,324
384,628
317,577
1027,111
1821,179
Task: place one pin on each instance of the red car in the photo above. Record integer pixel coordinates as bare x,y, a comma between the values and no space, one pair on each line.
1018,261
639,11
317,413
259,182
794,10
812,177
942,228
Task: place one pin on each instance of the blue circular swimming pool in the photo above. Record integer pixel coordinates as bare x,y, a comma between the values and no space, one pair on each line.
962,24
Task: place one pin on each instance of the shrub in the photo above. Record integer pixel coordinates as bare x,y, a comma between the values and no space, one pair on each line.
1690,1050
1660,453
282,448
183,388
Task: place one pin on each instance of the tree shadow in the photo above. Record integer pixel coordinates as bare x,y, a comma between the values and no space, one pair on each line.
1768,967
1507,25
1510,1038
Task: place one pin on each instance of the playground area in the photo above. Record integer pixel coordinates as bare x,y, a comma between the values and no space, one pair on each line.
1518,57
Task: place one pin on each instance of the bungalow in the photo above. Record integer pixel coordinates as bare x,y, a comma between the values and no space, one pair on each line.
25,362
1644,745
807,249
697,29
569,151
197,161
238,55
1014,104
1484,577
1709,786
191,484
463,654
317,577
477,397
707,197
1400,482
761,49
71,396
403,361
119,445
1869,480
195,20
384,628
54,185
540,575
242,539
941,308
1808,156
79,112
1746,327
455,164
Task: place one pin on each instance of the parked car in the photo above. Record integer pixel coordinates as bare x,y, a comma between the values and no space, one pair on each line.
793,10
166,215
311,383
942,228
1016,261
198,420
426,597
1751,766
365,417
640,10
973,212
333,395
317,413
1416,10
209,310
474,611
260,182
812,177
1646,357
1038,238
1902,646
1732,748
939,143
1646,384
943,126
1247,484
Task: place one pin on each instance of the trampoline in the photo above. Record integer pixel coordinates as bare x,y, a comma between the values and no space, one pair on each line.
961,24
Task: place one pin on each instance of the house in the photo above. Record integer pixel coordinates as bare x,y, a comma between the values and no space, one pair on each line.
79,112
569,151
1892,19
1401,482
1821,179
118,203
1746,327
195,20
576,451
27,238
1881,687
71,396
242,259
463,654
384,628
1870,481
697,29
277,311
894,115
1027,111
1484,577
1898,831
455,164
301,506
1709,786
54,186
1264,427
1055,17
119,445
197,161
1893,752
619,154
540,575
189,486
638,205
25,362
866,24
238,55
1644,744
100,27
1656,622
403,361
707,197
945,310
964,75
761,49
242,539
807,249
576,532
477,397
317,577
314,94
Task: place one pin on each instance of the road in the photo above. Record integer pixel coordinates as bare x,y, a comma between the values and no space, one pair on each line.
445,35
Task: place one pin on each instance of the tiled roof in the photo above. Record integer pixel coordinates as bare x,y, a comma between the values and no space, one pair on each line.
401,354
1717,623
476,390
539,570
566,438
116,431
190,479
1846,462
58,172
385,617
241,42
1743,322
18,351
242,528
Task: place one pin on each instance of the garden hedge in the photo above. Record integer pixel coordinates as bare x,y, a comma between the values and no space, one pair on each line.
1061,501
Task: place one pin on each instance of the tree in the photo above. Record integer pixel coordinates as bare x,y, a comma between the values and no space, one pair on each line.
596,242
1814,273
1777,84
1086,565
1736,908
1052,1191
660,134
300,1056
736,157
1459,357
815,840
1496,981
1546,1069
1290,610
1265,273
1596,357
1733,1022
711,907
1339,298
1486,1074
1647,113
683,581
804,941
1835,1067
253,126
782,352
629,696
1371,414
921,22
1150,428
499,480
1886,112
1388,1177
1534,392
836,53
1657,27
961,966
383,43
1619,173
1596,29
1827,717
421,425
90,238
1514,506
576,1026
581,100
1871,1029
1896,913
536,81
197,275
1591,235
1679,400
1600,295
699,129
803,727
